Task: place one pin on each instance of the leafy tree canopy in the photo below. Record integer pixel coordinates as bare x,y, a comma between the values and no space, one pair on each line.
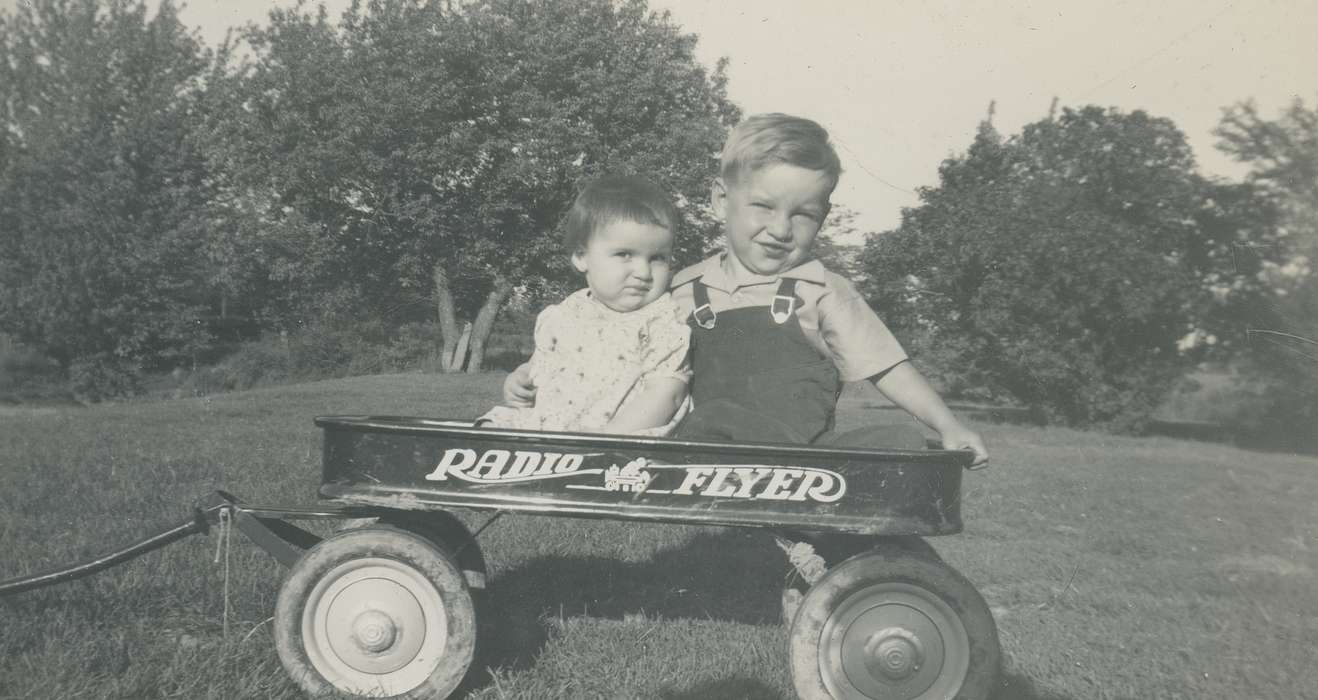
1283,157
98,185
421,152
1061,267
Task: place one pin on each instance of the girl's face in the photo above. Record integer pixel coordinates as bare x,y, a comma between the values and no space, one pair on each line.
627,264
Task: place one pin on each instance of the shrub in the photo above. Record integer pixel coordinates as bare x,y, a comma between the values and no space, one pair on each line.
322,352
413,347
265,361
103,376
26,374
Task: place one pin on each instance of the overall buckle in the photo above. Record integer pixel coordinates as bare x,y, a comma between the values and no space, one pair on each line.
782,308
704,316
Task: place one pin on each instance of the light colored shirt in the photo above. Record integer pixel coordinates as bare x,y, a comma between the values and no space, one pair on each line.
834,317
590,360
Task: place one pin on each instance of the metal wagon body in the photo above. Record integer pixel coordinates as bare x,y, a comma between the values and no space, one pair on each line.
390,609
417,464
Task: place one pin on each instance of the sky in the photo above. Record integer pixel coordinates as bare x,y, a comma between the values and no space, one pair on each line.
902,84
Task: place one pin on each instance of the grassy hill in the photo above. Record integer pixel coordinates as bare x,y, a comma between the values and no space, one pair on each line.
1116,567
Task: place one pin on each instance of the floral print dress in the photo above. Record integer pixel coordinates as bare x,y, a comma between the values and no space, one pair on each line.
590,360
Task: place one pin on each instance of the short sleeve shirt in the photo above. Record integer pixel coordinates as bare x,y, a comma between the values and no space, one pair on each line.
834,317
589,360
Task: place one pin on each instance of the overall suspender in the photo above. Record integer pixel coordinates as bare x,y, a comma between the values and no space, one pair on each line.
780,309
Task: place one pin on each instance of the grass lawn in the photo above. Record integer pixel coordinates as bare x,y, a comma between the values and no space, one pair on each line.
1115,567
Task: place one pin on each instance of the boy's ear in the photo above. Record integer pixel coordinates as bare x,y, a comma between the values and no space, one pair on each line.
579,261
718,198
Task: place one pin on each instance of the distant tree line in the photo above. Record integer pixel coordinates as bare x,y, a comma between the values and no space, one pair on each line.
410,161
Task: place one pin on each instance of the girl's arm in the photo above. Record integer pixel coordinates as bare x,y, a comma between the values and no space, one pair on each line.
654,406
906,387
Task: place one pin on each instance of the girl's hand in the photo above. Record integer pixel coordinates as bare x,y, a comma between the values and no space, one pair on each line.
518,389
959,437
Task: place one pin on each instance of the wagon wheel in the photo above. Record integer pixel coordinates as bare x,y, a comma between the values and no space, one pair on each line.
377,612
447,532
893,625
836,548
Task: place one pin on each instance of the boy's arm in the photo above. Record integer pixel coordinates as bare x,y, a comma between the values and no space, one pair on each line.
518,389
519,386
906,387
654,406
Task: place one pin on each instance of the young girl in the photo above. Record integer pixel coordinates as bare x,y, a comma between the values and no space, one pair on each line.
611,357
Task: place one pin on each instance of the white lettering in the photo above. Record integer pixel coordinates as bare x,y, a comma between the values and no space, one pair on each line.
695,476
823,491
718,486
547,464
749,476
456,459
568,464
779,486
712,481
809,479
524,464
490,465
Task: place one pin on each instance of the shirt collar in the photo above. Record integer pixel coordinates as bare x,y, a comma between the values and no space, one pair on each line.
714,274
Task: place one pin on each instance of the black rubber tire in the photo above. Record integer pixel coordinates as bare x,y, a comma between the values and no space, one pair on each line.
794,591
855,597
452,536
342,594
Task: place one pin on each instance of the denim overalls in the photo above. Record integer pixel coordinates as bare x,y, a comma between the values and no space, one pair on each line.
757,377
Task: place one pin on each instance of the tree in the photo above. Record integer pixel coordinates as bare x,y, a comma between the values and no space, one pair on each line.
98,185
1060,267
422,151
834,246
1283,156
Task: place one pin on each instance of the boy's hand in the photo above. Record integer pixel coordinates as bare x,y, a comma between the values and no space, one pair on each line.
959,437
906,387
518,389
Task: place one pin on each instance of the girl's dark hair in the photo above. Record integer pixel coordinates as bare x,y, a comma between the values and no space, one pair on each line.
611,198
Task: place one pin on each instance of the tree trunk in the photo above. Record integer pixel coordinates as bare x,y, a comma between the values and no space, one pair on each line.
450,332
460,351
480,331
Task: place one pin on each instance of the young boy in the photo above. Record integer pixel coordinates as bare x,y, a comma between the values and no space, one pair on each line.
774,333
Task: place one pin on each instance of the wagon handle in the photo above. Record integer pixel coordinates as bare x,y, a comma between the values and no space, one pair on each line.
203,514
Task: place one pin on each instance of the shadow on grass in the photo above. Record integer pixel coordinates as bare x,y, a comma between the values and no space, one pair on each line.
1010,687
726,689
1016,687
733,576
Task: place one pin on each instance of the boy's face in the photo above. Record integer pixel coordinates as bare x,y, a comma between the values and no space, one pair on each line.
627,264
772,215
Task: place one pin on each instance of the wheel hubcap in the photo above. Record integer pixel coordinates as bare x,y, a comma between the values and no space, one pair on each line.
375,626
894,652
374,631
894,641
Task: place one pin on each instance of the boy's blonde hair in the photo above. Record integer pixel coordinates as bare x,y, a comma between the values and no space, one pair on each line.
765,139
